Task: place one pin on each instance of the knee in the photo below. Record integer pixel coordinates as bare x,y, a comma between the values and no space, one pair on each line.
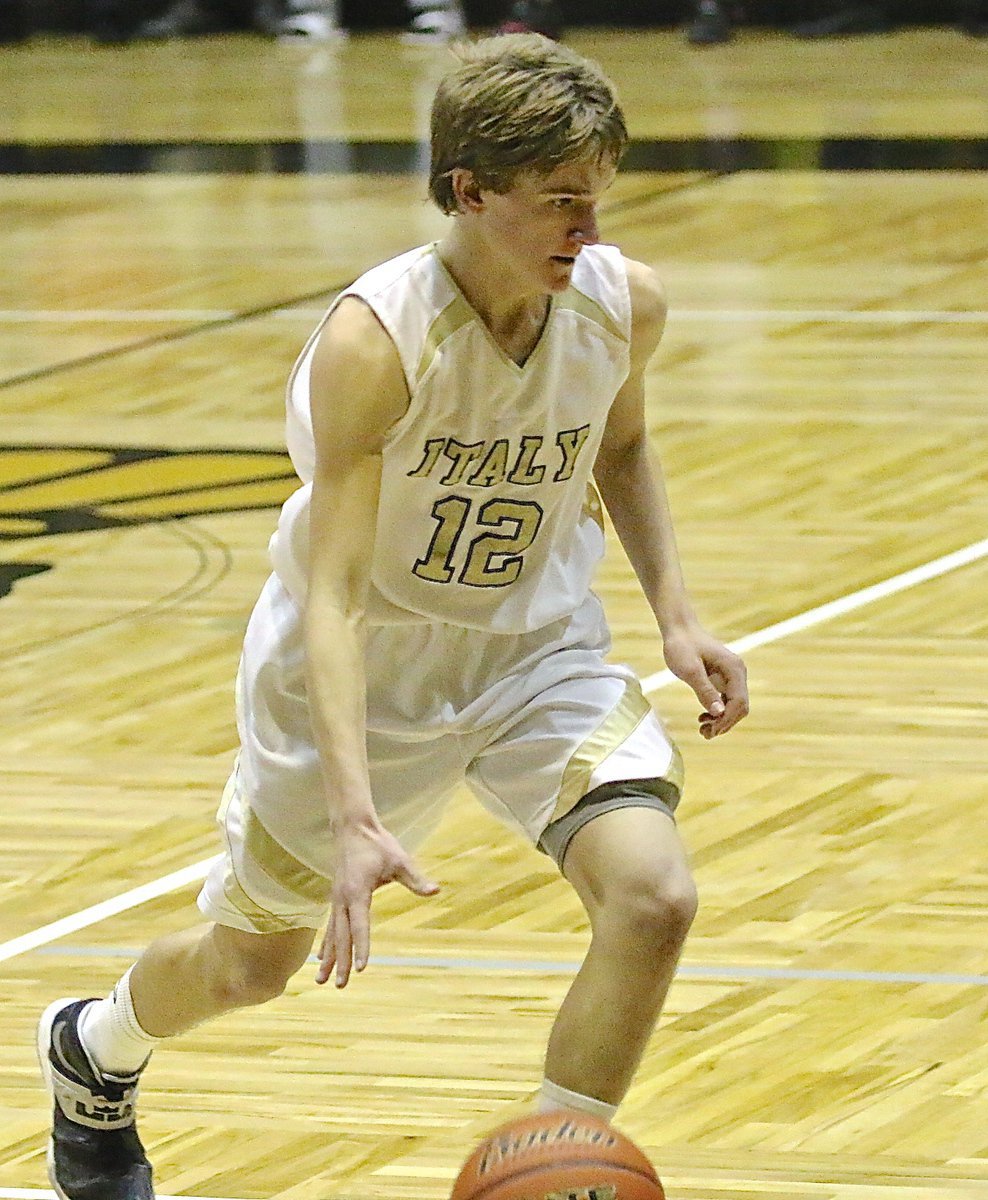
631,872
252,970
653,912
243,986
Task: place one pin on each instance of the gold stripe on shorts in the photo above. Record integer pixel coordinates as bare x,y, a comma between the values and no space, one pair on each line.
280,865
619,724
262,920
676,770
257,851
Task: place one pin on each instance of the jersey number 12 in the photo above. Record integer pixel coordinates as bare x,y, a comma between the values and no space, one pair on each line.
491,559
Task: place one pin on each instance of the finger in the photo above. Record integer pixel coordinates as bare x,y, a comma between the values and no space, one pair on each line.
735,710
692,670
344,946
327,953
703,688
360,932
737,705
416,882
707,694
729,677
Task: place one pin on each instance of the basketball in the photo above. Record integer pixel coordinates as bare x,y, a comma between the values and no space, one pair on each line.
557,1156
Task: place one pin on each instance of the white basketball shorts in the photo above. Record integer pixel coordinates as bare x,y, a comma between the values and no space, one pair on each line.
531,723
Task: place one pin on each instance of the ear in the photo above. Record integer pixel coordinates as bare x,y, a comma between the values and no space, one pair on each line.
466,190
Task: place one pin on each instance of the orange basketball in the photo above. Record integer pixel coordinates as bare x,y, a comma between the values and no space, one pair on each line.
557,1156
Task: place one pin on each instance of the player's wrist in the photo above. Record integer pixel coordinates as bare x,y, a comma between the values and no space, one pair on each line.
676,618
355,818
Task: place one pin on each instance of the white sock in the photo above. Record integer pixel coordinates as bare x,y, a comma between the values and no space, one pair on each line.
553,1097
110,1032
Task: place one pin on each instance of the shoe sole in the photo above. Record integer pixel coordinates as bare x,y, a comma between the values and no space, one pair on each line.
43,1047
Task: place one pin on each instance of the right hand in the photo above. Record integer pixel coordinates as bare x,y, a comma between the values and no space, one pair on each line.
367,856
715,673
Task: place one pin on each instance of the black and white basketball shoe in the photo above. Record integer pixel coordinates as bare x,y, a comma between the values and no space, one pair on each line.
94,1152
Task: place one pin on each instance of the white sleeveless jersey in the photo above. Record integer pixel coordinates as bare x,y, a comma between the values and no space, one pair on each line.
488,517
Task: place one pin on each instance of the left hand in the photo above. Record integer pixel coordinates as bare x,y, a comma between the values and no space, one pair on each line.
717,676
367,857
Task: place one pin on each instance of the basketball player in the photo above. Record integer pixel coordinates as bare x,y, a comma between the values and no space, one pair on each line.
430,618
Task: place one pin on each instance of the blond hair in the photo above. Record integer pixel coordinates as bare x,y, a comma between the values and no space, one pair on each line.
520,102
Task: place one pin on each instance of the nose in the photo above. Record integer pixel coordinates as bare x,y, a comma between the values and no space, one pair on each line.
586,231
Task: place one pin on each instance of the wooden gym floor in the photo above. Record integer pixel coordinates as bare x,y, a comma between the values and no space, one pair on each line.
173,220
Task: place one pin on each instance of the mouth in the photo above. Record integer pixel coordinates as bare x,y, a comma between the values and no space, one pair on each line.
567,260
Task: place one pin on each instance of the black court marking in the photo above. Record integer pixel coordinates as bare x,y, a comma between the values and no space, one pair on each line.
10,573
97,490
213,562
171,484
729,155
343,157
325,294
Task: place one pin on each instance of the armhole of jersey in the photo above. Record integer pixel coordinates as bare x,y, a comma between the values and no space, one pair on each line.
305,357
305,354
626,295
602,280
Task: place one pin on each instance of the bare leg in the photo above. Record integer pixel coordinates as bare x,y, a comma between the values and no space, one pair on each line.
629,869
187,978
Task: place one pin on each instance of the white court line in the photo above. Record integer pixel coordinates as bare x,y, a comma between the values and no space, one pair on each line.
839,316
106,908
177,879
841,606
771,633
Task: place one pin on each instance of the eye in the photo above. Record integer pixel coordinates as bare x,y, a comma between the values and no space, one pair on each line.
562,202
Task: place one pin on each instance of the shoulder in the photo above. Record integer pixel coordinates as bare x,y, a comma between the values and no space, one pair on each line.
648,306
353,340
357,382
648,296
394,271
352,327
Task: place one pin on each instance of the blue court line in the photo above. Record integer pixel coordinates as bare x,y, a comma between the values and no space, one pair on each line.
727,972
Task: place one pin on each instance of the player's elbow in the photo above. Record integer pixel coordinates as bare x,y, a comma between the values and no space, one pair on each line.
618,455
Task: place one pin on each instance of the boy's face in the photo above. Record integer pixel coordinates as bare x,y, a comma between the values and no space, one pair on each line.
538,227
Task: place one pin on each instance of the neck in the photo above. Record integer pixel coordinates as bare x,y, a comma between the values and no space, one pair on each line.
499,298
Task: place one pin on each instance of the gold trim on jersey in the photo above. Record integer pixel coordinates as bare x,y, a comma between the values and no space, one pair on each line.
578,302
619,724
453,317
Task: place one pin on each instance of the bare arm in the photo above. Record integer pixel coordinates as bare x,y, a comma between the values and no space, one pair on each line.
358,391
633,490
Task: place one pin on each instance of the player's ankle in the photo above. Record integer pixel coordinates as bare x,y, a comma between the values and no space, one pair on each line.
111,1033
552,1097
